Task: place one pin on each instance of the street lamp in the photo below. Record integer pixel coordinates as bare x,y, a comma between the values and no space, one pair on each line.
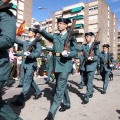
40,8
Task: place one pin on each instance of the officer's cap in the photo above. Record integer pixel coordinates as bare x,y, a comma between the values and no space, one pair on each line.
106,45
65,20
89,33
33,30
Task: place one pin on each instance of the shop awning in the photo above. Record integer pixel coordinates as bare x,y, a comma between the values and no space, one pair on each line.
14,7
77,17
78,26
77,9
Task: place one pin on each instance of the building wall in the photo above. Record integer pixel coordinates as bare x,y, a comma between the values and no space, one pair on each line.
28,12
22,12
103,22
116,37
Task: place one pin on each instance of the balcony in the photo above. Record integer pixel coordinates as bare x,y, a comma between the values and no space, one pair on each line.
69,8
93,12
93,21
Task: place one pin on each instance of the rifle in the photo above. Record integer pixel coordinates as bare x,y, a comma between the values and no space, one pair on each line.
69,36
109,58
94,44
37,39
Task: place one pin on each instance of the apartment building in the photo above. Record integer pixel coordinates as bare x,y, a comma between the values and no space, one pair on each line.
47,25
90,17
22,12
118,43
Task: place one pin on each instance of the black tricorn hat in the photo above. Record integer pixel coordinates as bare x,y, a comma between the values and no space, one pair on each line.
89,33
33,30
65,20
106,45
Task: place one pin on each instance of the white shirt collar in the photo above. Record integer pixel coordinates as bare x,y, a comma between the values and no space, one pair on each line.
63,33
32,39
89,44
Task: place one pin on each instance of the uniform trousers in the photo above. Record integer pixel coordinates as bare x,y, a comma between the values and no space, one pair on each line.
61,92
5,110
90,77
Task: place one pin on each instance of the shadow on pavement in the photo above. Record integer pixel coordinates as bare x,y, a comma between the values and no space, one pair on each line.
98,79
76,91
48,93
97,88
73,82
118,111
16,109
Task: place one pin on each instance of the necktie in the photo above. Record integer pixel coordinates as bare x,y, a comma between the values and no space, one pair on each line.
60,35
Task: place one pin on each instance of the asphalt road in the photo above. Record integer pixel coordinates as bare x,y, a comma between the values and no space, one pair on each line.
100,107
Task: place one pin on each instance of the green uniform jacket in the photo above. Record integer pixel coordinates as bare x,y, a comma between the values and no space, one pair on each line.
30,62
104,61
89,65
8,24
61,64
4,65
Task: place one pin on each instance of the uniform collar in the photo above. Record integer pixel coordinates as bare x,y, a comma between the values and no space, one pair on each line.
63,33
89,44
32,39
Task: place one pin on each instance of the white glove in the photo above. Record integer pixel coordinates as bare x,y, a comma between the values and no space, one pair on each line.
65,53
111,65
90,58
37,26
27,53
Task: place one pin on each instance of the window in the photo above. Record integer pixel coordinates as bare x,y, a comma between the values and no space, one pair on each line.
93,26
20,12
93,8
20,17
93,17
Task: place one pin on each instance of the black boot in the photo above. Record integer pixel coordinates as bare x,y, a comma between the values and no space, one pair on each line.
49,117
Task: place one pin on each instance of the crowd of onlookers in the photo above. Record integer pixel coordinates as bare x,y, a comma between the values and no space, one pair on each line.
16,61
15,64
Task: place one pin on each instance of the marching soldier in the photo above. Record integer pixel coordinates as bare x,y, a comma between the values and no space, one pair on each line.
62,65
106,62
82,73
7,36
90,64
49,65
29,66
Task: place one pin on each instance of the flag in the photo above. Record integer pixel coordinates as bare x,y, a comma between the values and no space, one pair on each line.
21,29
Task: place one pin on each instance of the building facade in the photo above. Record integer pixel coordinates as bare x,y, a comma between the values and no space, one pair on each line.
90,17
23,13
